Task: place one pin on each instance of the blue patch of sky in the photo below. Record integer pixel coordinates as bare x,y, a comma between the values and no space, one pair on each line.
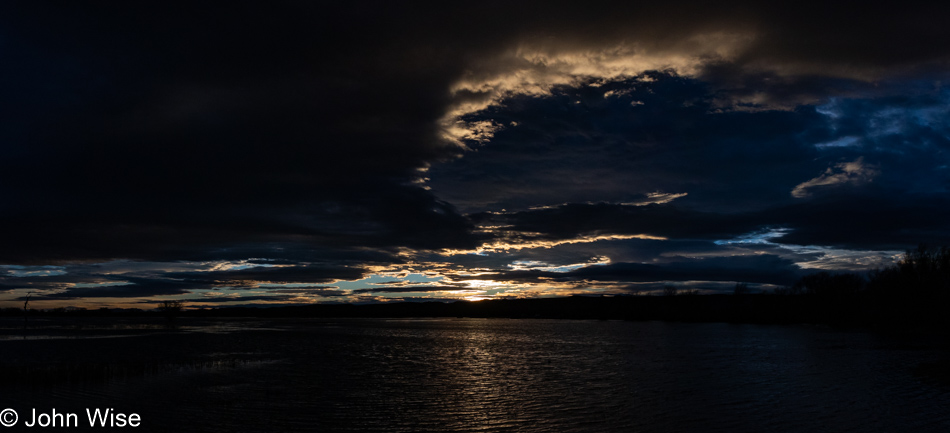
886,117
830,109
377,280
102,284
846,141
762,237
34,271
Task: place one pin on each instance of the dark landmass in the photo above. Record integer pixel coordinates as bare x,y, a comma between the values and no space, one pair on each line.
860,309
865,310
60,346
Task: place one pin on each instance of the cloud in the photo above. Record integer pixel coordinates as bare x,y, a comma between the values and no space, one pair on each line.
658,197
534,69
760,58
863,221
270,297
138,288
574,223
765,269
187,149
518,241
576,146
845,173
412,289
292,274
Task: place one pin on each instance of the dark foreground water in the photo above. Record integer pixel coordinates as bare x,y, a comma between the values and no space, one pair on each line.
475,375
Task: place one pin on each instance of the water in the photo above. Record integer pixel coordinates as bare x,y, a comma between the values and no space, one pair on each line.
482,375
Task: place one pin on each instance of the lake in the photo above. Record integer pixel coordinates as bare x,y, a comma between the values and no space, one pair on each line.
481,375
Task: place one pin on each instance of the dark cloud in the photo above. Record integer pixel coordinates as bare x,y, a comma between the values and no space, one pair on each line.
139,287
333,138
863,222
411,289
754,269
245,128
246,298
302,274
572,221
857,219
767,269
620,141
304,291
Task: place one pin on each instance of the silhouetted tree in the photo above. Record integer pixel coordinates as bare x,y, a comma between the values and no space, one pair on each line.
827,284
921,272
170,308
670,290
917,287
741,289
926,270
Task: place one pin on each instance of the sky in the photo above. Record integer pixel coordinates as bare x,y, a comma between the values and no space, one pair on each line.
276,153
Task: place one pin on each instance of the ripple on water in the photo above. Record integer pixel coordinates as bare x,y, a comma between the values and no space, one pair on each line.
514,375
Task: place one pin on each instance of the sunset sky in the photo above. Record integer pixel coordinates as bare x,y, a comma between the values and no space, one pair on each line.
292,152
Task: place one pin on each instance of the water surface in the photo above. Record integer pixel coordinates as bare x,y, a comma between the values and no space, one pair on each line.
482,375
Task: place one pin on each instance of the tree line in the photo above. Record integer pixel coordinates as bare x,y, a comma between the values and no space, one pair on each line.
914,289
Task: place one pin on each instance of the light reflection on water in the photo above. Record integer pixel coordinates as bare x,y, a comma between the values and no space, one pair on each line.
494,375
